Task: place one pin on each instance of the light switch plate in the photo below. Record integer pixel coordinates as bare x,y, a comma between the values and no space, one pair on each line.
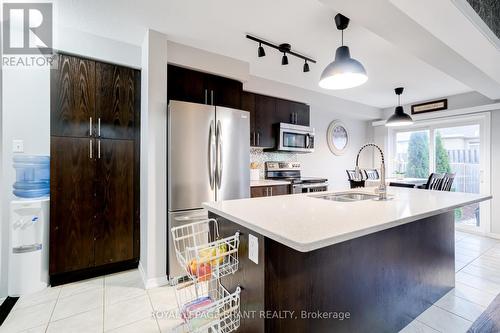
17,146
253,248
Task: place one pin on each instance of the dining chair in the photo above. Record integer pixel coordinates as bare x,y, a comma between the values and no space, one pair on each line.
402,185
447,181
351,174
433,182
356,183
372,174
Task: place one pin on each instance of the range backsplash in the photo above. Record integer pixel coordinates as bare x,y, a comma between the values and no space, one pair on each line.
259,156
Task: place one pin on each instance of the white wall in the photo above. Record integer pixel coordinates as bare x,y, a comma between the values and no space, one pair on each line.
153,159
26,116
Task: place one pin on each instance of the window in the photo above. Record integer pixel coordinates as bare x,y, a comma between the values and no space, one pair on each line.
459,146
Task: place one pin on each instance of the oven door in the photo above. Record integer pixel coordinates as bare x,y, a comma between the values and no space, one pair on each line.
310,188
296,138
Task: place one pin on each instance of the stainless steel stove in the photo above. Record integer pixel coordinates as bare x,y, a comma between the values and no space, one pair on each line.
292,171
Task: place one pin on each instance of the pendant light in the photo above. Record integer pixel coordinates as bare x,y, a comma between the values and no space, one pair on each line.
344,72
399,118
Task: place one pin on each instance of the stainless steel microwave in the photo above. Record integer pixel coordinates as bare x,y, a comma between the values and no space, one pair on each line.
294,138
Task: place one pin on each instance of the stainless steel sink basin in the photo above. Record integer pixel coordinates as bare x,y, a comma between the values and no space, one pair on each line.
346,197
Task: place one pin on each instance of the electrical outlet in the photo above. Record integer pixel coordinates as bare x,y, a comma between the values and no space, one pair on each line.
17,146
253,248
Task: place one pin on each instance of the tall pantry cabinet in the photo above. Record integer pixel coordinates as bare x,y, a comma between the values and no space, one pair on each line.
95,140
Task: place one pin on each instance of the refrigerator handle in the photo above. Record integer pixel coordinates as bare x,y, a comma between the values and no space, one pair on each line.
218,136
211,155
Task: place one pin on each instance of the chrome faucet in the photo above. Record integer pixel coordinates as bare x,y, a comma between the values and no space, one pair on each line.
382,188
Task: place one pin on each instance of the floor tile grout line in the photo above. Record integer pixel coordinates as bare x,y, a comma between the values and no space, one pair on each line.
153,311
425,324
53,309
467,284
456,314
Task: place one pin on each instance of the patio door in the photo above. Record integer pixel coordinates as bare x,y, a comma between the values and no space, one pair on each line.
463,149
460,146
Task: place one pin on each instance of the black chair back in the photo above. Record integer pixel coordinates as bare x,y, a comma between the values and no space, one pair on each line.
402,185
356,183
351,174
372,174
434,182
447,181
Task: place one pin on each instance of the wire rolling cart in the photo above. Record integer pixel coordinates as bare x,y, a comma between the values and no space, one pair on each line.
204,304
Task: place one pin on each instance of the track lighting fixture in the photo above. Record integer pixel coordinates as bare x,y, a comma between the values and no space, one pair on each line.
285,49
284,59
306,67
344,72
261,52
399,118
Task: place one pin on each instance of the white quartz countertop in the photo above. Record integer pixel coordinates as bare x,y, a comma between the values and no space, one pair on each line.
268,182
305,223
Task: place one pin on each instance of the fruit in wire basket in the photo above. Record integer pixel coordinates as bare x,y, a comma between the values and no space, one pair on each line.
202,271
220,252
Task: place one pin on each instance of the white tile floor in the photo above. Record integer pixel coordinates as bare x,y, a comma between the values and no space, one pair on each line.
119,303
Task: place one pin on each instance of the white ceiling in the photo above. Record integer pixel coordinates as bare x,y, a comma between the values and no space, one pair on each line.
220,26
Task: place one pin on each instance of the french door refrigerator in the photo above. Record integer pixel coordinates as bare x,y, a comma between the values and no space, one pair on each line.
208,160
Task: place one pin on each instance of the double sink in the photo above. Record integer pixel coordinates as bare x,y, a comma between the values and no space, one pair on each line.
346,197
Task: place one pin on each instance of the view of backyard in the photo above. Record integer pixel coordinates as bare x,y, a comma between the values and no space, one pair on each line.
456,150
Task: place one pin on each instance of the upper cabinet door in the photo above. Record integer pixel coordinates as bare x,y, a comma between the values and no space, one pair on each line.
265,117
284,111
117,100
248,104
187,85
302,114
72,97
224,92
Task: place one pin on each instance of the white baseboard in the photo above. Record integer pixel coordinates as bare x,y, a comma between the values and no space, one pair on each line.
153,282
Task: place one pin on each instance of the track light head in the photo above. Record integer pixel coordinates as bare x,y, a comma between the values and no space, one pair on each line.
284,60
306,67
261,51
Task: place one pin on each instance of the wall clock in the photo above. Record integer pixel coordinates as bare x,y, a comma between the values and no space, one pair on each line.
337,137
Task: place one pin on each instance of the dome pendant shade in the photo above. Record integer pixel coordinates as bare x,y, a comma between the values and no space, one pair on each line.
399,118
344,72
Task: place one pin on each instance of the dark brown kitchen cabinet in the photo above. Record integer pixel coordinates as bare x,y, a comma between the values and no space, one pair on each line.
114,201
197,87
292,112
186,85
117,94
266,111
94,202
73,97
268,191
265,117
72,201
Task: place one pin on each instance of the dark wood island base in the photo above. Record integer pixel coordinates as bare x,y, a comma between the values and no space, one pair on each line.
375,283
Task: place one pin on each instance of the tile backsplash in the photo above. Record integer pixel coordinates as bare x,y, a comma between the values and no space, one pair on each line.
259,156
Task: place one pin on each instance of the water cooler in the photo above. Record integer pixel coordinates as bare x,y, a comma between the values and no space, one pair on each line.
29,226
29,252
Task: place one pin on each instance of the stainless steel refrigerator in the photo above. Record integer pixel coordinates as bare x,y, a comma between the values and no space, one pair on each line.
208,160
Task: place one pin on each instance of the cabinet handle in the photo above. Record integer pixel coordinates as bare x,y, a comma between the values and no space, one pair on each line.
91,147
99,149
99,126
253,138
206,96
90,126
212,97
271,191
258,138
267,191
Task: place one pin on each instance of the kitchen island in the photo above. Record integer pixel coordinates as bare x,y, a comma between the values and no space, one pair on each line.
341,265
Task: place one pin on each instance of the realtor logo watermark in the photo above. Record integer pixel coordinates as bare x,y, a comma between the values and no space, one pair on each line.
27,34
